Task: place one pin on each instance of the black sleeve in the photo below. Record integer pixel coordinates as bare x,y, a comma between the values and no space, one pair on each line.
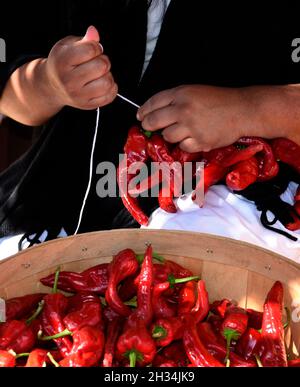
30,29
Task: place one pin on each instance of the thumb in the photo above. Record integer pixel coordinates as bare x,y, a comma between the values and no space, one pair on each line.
91,34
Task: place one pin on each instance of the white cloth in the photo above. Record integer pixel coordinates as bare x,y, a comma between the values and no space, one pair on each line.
228,215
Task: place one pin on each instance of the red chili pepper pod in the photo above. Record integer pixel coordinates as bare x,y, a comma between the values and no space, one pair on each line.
255,319
90,314
162,308
185,157
166,198
220,307
16,336
269,167
295,225
175,353
56,306
288,152
137,346
7,360
166,331
242,155
109,315
250,344
294,363
113,332
177,270
87,349
274,354
201,308
21,307
158,150
243,175
128,289
37,359
187,298
197,353
76,302
124,265
94,280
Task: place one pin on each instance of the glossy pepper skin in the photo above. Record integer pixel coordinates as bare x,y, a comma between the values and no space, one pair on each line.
236,320
136,152
7,360
197,353
113,332
76,302
55,309
250,344
137,341
87,350
20,307
89,314
288,152
243,175
37,359
166,331
176,354
220,307
94,280
274,354
162,307
194,301
124,265
16,336
255,319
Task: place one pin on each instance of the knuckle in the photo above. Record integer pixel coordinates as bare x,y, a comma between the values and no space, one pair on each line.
92,49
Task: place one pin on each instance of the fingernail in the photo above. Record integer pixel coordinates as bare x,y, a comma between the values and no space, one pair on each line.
138,116
102,48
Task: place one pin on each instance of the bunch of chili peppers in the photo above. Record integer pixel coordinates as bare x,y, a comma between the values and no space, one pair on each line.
139,311
250,160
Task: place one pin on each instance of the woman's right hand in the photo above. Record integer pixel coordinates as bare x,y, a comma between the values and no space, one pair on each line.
78,73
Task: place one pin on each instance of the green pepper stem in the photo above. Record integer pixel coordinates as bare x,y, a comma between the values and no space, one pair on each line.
36,313
147,133
61,335
55,286
258,360
53,361
159,333
174,281
22,355
133,359
140,258
132,303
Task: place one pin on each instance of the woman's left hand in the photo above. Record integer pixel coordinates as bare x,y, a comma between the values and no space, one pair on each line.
200,118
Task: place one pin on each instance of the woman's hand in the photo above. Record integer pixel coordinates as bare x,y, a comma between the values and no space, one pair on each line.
79,73
200,118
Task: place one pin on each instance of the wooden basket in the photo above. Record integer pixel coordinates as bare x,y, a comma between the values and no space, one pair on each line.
231,269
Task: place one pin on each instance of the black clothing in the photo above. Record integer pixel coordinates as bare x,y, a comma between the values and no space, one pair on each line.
222,44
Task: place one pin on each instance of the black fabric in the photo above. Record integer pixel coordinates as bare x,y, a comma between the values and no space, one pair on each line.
218,44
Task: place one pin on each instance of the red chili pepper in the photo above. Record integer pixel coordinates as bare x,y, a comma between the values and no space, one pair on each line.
294,363
166,198
158,150
128,289
113,333
242,155
90,314
197,353
144,311
87,350
124,265
274,354
37,359
177,270
162,308
269,167
16,336
288,152
295,225
255,319
136,152
185,157
220,307
109,315
136,345
243,175
201,308
194,301
297,197
76,302
54,311
21,307
176,353
216,345
166,331
234,326
7,360
94,280
250,344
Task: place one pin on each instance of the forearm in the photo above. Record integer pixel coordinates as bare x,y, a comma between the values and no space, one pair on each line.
28,97
275,111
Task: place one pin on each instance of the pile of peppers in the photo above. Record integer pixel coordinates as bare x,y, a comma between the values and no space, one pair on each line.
140,311
251,160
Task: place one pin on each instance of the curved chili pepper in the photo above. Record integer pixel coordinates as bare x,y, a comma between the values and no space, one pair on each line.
78,300
113,333
89,314
197,353
16,336
136,152
176,353
20,307
234,326
269,167
243,175
162,308
220,307
109,315
37,359
185,157
54,311
201,308
250,344
94,280
87,350
144,309
166,331
194,301
294,363
288,152
136,345
216,345
274,354
7,360
166,198
124,265
242,155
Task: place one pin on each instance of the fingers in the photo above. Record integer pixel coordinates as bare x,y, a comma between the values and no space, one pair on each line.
99,87
160,118
159,101
92,34
190,145
103,100
175,134
92,70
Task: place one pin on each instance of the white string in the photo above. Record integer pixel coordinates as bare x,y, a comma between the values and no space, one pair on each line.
91,173
129,101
